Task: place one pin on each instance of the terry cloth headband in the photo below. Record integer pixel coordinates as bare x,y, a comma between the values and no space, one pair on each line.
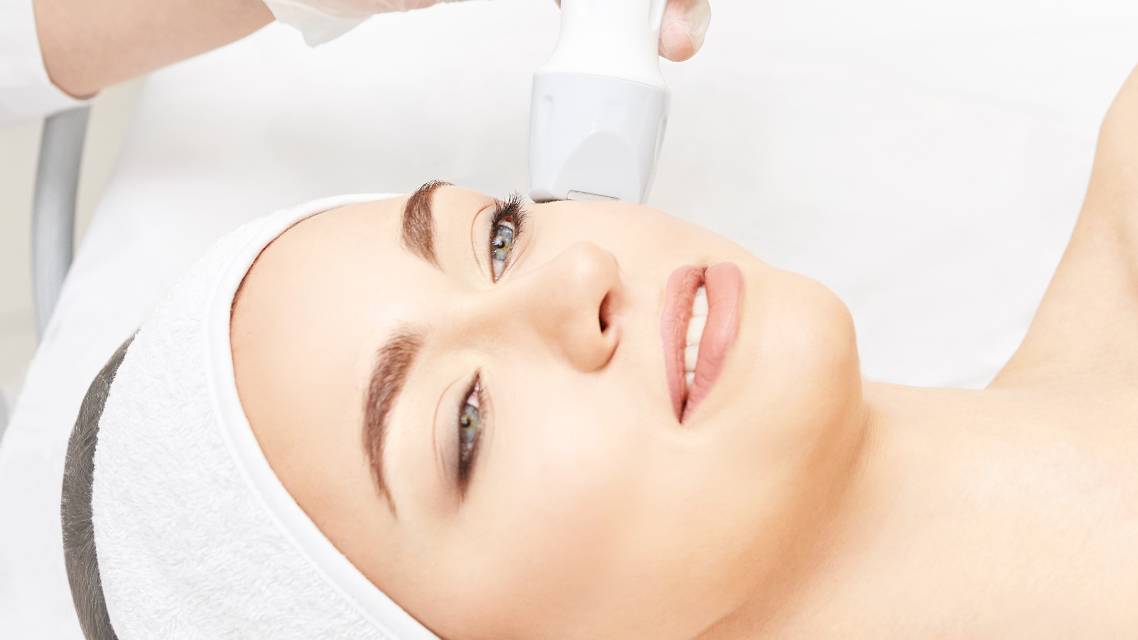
194,536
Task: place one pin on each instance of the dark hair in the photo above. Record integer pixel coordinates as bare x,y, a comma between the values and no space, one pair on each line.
75,507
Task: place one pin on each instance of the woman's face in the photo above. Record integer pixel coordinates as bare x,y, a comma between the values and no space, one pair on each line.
536,478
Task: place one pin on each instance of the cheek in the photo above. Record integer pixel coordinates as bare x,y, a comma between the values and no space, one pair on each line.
642,239
804,421
560,478
809,373
603,517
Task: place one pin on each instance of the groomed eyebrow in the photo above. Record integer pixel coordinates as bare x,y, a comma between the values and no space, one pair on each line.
392,363
419,222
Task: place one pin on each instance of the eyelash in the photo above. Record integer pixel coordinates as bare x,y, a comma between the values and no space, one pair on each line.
512,216
468,447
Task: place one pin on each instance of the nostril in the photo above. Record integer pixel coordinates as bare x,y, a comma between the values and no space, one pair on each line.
603,315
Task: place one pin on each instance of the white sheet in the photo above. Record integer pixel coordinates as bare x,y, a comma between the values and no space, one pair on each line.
926,160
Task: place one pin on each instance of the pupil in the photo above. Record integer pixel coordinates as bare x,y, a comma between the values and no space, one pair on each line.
504,234
469,417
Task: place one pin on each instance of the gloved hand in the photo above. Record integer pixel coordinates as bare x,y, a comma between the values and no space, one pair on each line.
681,34
683,28
322,20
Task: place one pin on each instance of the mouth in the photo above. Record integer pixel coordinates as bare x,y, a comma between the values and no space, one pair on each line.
698,325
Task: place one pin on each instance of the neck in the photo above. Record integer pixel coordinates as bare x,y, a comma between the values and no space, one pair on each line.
958,517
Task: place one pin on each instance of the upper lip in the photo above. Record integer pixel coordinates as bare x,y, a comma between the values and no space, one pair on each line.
679,293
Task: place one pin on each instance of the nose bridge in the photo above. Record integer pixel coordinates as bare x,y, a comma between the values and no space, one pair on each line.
584,270
561,302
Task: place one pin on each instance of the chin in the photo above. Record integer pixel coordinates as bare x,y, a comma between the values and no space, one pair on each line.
800,416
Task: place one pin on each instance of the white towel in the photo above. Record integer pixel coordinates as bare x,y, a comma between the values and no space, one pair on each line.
195,535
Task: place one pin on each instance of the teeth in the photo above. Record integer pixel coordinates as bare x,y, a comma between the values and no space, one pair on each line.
699,305
695,329
691,353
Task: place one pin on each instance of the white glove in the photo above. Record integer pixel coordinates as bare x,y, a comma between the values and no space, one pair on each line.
683,28
681,35
322,20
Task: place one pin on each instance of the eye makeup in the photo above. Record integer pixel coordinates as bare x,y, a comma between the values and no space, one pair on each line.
471,417
507,223
506,227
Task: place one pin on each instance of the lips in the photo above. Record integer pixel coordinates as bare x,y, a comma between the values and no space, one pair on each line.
724,285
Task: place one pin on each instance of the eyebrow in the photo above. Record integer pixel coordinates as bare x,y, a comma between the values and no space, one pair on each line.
392,364
419,222
394,359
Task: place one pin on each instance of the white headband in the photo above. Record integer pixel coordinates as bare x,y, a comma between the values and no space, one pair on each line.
195,535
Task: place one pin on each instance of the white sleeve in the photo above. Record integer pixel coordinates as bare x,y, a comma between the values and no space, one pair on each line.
25,90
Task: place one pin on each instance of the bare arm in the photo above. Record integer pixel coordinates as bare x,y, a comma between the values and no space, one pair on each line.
1087,324
91,44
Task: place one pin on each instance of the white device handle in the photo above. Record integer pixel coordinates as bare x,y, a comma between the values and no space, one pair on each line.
616,38
600,104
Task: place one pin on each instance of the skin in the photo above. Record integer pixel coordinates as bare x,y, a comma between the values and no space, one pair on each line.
606,470
798,500
88,46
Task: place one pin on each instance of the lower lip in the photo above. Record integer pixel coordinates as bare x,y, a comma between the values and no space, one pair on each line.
724,285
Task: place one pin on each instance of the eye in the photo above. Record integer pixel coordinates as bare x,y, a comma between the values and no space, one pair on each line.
469,429
505,229
501,244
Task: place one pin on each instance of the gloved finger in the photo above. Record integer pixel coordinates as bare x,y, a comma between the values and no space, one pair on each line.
322,20
386,6
683,29
357,8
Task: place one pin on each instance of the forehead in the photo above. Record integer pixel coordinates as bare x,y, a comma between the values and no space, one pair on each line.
331,289
359,246
314,309
353,263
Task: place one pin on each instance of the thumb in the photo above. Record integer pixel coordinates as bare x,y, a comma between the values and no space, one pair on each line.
684,27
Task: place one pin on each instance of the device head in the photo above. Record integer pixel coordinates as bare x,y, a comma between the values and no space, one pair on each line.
599,105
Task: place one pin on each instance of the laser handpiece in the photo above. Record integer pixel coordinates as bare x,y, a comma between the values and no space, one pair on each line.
600,104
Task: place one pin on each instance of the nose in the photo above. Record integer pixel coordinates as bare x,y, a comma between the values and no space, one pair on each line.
572,303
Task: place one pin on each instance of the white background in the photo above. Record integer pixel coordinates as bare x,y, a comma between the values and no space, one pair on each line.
926,160
19,146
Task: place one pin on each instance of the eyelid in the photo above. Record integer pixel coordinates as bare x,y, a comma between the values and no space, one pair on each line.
486,418
523,242
478,240
443,432
475,387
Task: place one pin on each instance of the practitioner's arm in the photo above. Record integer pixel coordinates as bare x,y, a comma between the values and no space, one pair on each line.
91,44
88,45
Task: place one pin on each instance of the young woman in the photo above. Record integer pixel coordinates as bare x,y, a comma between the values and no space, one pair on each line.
576,420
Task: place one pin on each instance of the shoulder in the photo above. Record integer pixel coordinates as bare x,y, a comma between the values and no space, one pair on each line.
1087,323
1115,178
